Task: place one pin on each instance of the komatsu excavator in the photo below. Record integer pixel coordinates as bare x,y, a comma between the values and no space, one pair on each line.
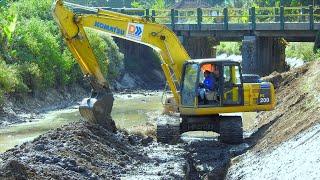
211,112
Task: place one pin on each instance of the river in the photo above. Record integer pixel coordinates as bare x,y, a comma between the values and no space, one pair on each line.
130,112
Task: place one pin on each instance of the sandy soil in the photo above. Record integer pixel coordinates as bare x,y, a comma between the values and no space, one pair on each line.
298,158
281,143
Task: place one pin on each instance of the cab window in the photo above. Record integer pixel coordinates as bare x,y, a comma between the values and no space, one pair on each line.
233,90
188,91
227,74
238,77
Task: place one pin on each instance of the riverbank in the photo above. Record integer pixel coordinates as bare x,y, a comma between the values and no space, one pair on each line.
135,115
26,108
287,143
84,151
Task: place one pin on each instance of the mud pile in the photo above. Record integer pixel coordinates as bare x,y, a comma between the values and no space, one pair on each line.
84,151
297,111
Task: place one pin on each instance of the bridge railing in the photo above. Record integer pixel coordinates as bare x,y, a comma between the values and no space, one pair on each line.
316,14
227,16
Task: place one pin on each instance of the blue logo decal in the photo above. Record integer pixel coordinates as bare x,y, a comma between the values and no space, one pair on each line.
112,29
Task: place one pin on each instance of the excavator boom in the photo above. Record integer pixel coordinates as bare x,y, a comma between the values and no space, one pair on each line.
159,37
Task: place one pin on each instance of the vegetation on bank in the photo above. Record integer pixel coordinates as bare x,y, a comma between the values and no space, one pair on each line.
304,51
229,48
300,50
33,55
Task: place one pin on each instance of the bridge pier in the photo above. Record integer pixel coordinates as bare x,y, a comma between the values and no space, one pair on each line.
263,55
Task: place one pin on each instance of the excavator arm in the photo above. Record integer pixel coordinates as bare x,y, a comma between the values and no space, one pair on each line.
136,29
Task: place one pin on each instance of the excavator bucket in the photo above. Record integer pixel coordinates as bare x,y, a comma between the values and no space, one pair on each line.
97,110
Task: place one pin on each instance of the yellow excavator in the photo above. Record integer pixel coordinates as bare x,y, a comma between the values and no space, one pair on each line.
200,108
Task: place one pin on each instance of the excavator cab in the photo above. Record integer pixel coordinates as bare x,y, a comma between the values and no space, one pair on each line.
225,78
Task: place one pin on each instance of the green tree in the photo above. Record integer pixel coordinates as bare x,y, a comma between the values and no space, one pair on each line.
36,42
107,53
152,4
33,9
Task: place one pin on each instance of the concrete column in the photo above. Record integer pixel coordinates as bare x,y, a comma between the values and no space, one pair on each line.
200,47
263,55
317,43
249,55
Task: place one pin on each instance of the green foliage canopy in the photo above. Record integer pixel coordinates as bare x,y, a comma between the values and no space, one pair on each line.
34,57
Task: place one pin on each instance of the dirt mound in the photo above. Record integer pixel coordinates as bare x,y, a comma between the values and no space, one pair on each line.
283,79
298,106
284,129
84,151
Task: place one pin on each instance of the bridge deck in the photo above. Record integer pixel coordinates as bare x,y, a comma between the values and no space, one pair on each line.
292,23
291,32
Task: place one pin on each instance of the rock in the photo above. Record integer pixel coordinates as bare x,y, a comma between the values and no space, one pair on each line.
39,147
56,160
147,141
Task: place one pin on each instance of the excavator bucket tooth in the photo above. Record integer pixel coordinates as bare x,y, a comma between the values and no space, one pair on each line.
97,110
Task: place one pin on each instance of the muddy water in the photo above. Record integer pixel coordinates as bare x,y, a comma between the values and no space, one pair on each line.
129,112
17,134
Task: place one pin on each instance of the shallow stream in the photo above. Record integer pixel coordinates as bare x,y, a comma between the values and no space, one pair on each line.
130,112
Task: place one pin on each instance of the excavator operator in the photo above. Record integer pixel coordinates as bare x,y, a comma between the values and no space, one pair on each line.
206,86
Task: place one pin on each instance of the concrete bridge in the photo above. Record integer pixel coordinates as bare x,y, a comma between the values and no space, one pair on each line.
263,31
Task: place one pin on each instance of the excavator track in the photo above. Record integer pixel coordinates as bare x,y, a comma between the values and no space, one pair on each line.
168,130
230,129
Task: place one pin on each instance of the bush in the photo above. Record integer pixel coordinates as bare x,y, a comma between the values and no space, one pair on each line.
38,57
115,57
34,9
31,75
10,80
229,48
35,42
302,51
72,69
